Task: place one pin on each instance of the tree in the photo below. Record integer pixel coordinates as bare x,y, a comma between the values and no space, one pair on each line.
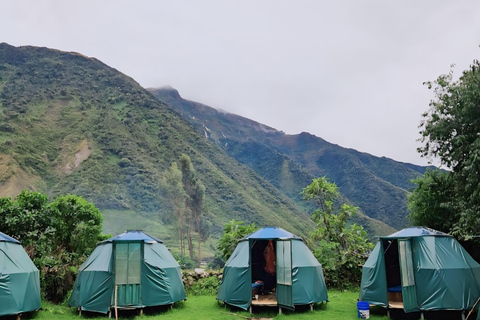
232,233
450,133
424,205
341,249
195,190
176,196
77,224
58,236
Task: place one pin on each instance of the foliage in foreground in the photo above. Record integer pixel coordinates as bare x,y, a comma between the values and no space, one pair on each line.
341,249
449,132
58,236
232,233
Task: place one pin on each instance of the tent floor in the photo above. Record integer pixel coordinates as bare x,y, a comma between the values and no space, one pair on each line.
268,300
395,304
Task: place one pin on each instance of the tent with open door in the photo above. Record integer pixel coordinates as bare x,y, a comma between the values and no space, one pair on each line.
420,269
297,278
19,279
139,266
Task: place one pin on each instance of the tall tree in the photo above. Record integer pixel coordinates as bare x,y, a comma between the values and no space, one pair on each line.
340,248
195,191
450,133
175,193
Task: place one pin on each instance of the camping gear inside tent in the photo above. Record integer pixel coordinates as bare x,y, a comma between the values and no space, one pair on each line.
132,270
19,279
420,269
251,278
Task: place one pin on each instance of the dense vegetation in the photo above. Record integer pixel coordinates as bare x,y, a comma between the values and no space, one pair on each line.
71,124
57,235
450,201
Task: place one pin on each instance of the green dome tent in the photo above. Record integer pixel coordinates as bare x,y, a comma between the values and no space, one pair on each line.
19,279
140,266
298,279
420,269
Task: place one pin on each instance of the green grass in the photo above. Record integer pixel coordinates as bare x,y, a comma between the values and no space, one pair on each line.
342,305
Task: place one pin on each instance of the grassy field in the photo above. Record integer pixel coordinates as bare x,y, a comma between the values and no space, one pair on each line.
342,306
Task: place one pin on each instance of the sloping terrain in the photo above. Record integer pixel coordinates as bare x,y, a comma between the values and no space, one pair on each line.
377,185
71,124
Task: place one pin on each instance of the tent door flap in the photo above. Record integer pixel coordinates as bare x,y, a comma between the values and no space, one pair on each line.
128,258
409,290
284,274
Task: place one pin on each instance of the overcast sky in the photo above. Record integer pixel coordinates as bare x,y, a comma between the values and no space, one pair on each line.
348,71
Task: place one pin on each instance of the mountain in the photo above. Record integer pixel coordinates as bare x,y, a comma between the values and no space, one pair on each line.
379,186
71,124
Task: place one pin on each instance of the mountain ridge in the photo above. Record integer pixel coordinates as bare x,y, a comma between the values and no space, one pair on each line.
378,185
72,124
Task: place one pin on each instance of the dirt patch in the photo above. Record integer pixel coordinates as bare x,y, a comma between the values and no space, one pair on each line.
13,179
82,154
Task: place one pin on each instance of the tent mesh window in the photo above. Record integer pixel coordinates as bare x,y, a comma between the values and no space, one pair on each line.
127,263
406,264
284,267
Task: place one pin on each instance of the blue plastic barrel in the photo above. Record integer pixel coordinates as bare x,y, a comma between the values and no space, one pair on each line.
363,310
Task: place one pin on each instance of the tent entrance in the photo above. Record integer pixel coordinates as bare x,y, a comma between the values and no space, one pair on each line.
127,266
392,268
400,274
264,270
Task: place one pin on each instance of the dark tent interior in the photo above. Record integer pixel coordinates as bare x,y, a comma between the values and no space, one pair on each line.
258,263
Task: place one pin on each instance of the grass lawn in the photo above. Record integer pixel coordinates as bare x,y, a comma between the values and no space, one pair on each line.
342,306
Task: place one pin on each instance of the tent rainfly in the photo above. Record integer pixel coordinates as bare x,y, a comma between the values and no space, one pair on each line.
420,269
296,278
19,279
138,265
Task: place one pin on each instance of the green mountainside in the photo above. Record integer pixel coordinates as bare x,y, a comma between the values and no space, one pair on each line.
377,185
71,124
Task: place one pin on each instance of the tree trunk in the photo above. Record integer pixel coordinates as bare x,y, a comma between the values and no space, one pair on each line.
199,239
190,243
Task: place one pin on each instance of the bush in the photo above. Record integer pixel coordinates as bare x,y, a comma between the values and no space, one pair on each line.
204,287
184,261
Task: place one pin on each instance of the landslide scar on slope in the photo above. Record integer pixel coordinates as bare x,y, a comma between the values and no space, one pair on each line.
14,179
83,152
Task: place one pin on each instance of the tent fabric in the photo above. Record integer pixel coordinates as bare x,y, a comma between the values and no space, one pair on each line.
19,279
235,288
160,277
5,238
308,280
445,276
269,233
95,282
415,232
308,284
374,280
133,235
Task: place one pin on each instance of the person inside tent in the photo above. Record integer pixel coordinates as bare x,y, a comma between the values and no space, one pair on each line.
269,275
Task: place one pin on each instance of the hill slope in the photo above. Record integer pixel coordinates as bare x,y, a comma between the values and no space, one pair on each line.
377,185
71,124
